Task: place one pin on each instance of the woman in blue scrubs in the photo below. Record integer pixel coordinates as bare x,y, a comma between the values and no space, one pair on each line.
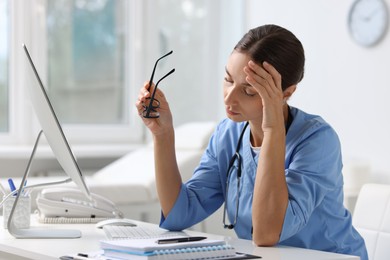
276,168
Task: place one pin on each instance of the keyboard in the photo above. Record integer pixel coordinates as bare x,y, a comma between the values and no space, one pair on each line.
137,232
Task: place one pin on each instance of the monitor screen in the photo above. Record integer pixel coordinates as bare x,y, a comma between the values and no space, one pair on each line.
52,128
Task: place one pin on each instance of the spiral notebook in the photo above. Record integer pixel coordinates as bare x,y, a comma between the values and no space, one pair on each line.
151,249
204,252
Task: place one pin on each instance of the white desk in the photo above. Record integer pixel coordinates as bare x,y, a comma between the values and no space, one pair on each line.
48,249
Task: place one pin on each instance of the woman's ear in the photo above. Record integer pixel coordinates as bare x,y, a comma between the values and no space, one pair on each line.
287,93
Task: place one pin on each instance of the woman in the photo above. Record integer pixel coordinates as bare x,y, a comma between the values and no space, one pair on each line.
285,163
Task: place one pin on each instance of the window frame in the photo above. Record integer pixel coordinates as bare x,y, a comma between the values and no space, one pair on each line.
28,22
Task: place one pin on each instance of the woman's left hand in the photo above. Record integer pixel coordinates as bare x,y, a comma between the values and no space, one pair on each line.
268,83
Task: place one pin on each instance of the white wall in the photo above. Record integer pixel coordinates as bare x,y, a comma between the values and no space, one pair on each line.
346,84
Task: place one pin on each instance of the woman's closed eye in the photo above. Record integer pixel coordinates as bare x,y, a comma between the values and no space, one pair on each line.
228,80
249,91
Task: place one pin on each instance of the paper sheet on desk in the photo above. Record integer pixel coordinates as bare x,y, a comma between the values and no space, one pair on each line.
99,255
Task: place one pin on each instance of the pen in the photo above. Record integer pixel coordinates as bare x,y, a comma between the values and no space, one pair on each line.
66,257
23,191
179,240
11,185
82,256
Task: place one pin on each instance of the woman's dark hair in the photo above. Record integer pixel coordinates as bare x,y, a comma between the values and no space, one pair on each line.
277,46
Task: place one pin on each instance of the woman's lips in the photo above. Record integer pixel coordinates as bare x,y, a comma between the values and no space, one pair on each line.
229,112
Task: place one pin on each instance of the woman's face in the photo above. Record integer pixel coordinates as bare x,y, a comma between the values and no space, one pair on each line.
242,101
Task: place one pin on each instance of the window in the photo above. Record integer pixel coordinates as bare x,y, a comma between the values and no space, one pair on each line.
86,43
4,66
93,56
84,48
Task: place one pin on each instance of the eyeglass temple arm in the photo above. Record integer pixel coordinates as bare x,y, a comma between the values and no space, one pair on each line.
155,87
155,65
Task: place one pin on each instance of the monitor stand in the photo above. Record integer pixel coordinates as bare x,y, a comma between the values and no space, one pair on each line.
37,232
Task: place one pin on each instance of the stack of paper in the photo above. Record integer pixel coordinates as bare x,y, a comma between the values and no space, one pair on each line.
151,249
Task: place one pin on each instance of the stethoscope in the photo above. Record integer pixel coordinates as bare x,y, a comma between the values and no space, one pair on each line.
235,157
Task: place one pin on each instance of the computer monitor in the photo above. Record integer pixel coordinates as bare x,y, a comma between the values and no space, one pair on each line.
52,128
61,149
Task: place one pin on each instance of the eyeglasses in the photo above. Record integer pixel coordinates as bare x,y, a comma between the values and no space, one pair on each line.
235,157
150,111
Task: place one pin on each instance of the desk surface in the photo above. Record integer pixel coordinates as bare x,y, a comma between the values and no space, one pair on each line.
48,249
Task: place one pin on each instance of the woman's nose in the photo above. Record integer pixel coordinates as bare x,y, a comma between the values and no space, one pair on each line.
230,95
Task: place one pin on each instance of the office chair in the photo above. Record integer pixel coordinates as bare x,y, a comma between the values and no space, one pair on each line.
372,219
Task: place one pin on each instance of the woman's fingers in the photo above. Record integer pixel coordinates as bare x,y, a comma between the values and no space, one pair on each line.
144,98
267,80
277,78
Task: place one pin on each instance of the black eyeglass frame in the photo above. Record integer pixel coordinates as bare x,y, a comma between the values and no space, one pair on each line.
235,157
150,110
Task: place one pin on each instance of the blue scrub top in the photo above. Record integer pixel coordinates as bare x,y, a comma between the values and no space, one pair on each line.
315,217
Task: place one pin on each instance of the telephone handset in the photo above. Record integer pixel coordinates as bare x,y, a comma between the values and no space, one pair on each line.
72,203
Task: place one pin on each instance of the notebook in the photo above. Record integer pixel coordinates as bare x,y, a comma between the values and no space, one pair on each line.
149,249
211,252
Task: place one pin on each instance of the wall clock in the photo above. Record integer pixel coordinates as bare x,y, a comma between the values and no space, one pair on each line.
368,21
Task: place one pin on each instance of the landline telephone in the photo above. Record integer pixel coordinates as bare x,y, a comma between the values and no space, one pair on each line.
72,203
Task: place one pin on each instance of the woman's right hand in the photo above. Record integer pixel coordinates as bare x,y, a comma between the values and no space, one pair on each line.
162,124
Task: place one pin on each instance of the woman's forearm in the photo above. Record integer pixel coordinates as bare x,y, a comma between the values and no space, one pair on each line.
270,196
168,179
